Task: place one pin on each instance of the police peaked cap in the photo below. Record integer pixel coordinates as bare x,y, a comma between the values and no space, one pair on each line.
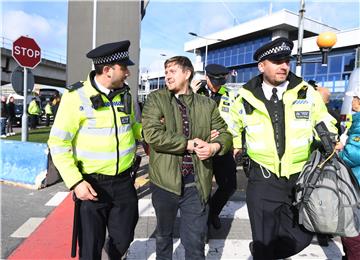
277,49
216,71
115,52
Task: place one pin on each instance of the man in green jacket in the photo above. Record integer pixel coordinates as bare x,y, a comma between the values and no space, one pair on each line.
177,125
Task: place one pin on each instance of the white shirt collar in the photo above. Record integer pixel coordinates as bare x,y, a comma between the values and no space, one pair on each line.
267,89
101,87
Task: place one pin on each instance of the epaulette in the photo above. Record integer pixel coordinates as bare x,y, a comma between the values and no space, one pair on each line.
302,92
75,86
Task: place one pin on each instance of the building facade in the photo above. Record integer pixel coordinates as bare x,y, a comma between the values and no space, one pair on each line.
234,48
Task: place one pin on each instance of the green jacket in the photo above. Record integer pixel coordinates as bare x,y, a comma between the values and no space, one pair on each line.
168,144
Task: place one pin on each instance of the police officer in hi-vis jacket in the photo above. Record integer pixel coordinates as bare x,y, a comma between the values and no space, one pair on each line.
278,112
92,143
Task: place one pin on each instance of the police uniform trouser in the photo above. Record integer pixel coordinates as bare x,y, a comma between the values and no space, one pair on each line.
33,121
273,219
116,209
224,169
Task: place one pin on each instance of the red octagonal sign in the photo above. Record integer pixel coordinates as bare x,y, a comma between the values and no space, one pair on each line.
26,52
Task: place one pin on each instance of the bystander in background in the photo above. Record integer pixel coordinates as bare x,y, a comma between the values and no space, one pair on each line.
10,110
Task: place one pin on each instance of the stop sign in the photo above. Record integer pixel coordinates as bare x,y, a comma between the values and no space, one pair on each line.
26,52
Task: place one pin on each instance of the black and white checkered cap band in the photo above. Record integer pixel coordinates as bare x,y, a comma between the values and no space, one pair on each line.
275,50
113,57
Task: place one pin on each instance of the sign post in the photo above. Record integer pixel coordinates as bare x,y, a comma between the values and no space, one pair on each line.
28,54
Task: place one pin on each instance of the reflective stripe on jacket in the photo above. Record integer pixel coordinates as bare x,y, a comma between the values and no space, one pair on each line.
84,140
301,115
227,99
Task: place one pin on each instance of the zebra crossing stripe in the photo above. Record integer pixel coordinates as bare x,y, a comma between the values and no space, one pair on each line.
232,209
228,249
27,228
57,198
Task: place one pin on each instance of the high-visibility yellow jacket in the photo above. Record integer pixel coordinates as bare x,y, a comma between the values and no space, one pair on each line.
48,109
85,140
34,108
227,99
301,116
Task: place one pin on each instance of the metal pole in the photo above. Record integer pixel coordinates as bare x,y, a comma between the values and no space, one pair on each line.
300,38
94,27
24,120
206,53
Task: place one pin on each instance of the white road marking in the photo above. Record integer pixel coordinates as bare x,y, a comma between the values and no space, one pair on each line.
232,209
57,198
228,249
27,228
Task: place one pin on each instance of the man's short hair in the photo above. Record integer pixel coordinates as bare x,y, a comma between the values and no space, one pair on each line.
183,62
99,67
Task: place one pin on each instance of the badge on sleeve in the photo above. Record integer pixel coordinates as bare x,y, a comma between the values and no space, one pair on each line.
125,120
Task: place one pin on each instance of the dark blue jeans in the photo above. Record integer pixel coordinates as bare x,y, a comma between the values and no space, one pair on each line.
193,222
3,125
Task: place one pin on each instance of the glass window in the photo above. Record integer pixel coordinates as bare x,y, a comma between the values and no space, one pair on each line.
242,49
334,77
240,59
320,79
227,61
335,64
349,62
222,54
248,57
233,60
309,69
248,47
247,75
321,69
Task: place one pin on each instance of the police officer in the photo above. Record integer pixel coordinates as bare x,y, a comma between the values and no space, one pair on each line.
278,112
48,113
92,143
34,113
224,166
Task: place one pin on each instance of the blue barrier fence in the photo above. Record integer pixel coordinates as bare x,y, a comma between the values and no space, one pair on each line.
23,162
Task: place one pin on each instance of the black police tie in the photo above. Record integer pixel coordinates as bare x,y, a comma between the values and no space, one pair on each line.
274,98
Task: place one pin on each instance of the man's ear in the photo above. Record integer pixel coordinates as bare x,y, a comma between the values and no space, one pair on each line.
261,66
188,74
106,70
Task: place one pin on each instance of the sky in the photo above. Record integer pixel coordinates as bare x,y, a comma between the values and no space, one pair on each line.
166,25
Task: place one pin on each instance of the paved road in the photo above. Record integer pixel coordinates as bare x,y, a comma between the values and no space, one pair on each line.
18,205
24,209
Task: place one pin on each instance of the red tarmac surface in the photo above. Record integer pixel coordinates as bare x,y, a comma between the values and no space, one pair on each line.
52,239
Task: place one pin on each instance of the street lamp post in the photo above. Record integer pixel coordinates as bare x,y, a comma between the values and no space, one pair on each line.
325,41
300,38
158,81
206,45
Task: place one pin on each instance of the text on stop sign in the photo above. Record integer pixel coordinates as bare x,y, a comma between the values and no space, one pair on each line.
18,50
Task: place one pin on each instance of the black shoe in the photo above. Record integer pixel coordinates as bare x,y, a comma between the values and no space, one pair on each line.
251,247
322,240
215,221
